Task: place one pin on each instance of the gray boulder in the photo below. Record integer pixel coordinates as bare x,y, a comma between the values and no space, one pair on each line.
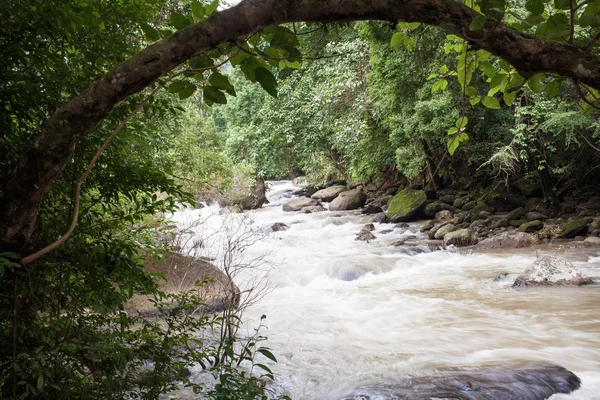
348,200
507,240
365,235
299,204
551,271
328,194
312,209
460,238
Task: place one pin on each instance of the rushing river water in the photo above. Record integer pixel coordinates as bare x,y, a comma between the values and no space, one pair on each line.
343,313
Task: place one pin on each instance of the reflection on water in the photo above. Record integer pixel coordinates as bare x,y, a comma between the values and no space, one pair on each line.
345,313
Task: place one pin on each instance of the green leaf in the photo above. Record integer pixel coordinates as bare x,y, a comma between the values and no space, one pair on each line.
409,26
470,91
562,4
487,68
454,141
264,367
398,40
149,31
266,80
452,130
552,89
509,97
536,7
198,10
201,62
265,352
187,92
444,69
461,122
10,255
248,67
442,84
237,60
478,22
537,83
504,65
475,100
214,95
220,81
491,102
175,87
179,21
212,7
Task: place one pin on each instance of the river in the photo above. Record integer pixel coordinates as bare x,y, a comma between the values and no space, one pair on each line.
343,313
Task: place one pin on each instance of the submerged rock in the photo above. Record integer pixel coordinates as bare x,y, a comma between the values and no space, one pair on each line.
552,271
279,226
299,204
529,382
348,200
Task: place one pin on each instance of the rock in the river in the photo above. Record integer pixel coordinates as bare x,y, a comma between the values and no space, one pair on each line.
527,382
428,225
365,235
348,200
279,226
379,218
181,274
312,209
406,205
329,193
507,240
532,226
245,198
574,227
441,233
592,241
299,204
372,209
368,227
551,271
461,237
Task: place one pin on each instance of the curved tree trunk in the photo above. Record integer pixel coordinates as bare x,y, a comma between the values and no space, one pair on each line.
37,169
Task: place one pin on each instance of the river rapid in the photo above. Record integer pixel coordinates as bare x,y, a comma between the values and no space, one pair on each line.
343,313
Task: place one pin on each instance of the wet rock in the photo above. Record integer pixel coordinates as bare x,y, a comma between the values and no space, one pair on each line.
279,226
501,276
551,271
507,240
365,236
372,209
448,198
431,244
470,205
444,216
435,228
299,204
460,238
593,226
368,227
348,200
386,231
401,225
500,223
518,222
479,225
532,226
526,382
427,225
517,213
458,202
441,233
480,215
406,205
385,199
535,215
312,209
592,241
574,227
329,193
379,218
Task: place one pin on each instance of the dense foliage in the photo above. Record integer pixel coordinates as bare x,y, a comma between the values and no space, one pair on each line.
364,101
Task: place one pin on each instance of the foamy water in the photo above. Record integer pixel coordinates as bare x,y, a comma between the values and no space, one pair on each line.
343,313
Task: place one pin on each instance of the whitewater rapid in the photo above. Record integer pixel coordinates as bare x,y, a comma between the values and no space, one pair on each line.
343,313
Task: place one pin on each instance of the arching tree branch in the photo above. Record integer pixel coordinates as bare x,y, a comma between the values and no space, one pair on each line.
37,169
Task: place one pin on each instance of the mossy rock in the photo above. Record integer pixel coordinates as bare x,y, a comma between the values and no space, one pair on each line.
574,227
532,226
406,205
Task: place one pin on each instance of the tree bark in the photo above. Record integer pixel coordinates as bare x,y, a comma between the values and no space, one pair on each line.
37,169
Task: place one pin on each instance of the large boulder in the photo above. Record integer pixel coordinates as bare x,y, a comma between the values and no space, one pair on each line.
243,197
406,205
551,271
441,233
299,204
507,240
460,238
348,200
181,274
527,382
329,193
574,227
